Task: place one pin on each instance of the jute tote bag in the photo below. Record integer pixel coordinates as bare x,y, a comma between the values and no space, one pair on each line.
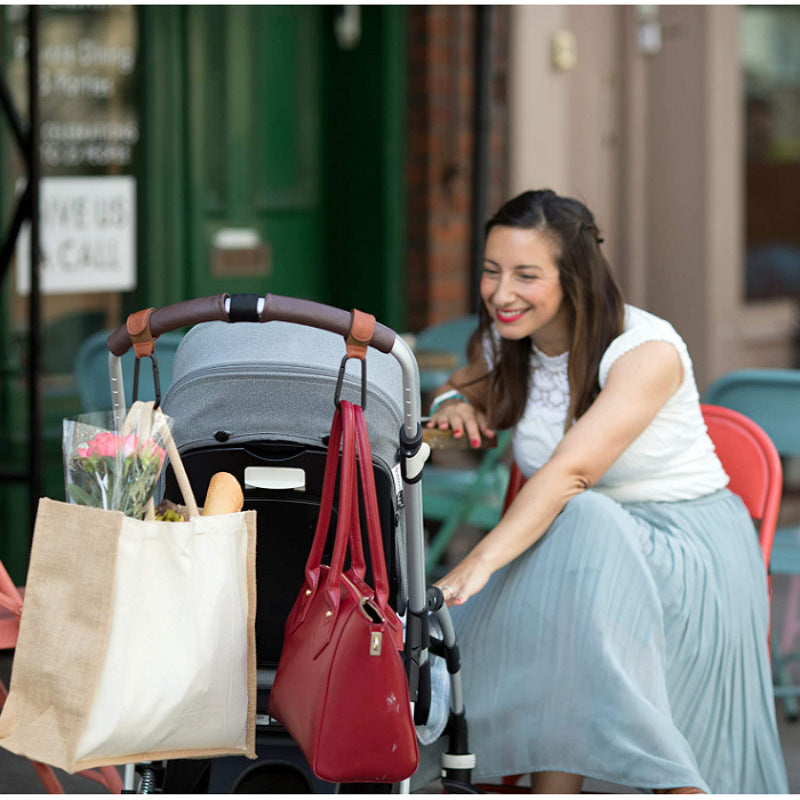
137,638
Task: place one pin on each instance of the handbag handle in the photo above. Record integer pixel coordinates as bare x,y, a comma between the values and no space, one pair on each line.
377,554
348,487
350,427
314,559
341,430
348,529
326,504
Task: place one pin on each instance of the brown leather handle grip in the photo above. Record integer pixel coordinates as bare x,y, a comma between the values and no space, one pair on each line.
276,308
318,315
169,318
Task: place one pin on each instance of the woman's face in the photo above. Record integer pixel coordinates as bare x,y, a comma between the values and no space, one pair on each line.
522,290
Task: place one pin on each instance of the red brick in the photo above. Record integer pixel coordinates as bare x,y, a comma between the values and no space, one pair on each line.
440,112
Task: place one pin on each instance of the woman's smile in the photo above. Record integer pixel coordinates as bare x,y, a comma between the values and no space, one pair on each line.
509,316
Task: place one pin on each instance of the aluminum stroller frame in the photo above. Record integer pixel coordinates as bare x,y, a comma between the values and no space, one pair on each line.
458,762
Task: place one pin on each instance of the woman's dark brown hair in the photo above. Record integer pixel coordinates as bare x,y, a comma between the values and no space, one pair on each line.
594,302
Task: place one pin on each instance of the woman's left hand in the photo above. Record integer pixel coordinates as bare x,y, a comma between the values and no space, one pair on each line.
465,580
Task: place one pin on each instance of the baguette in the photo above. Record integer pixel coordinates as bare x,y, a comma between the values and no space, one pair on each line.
224,495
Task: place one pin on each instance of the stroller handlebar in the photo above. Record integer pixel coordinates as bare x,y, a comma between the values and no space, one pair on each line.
250,308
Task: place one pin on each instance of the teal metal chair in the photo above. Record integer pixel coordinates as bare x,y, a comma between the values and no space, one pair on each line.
771,398
456,496
91,371
444,348
62,337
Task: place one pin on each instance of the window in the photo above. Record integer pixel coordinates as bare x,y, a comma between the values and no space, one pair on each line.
89,134
770,52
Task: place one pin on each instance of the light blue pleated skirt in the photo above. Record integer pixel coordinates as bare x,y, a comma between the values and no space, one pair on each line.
628,645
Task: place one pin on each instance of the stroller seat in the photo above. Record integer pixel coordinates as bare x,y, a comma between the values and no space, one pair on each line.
256,401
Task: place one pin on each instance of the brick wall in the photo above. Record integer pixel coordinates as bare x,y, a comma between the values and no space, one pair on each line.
440,153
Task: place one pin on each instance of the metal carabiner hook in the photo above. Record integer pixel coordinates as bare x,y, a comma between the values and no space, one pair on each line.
340,382
156,380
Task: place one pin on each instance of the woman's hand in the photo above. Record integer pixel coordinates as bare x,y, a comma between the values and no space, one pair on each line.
464,580
461,417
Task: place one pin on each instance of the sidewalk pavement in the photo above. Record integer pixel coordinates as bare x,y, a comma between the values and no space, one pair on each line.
18,777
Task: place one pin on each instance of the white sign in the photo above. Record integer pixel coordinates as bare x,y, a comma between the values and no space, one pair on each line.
87,231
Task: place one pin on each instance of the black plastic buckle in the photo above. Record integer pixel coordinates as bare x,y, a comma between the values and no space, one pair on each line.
340,382
156,381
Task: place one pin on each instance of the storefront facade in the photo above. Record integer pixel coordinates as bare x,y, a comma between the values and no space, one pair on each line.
188,151
645,112
330,153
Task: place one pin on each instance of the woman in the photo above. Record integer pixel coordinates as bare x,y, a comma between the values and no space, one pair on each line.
614,623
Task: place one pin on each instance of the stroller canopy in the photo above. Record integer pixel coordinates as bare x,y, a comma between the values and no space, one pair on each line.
276,381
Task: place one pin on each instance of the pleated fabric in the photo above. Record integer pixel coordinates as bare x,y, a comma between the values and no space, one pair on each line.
629,645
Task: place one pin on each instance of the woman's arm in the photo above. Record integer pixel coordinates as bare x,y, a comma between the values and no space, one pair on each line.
639,384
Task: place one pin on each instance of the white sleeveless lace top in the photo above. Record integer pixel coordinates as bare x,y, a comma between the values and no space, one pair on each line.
673,458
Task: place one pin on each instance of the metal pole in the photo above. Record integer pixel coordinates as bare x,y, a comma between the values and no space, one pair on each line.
34,308
481,132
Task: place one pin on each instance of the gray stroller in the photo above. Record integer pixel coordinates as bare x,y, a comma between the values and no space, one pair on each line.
256,400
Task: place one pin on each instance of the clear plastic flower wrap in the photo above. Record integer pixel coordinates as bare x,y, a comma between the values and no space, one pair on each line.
115,468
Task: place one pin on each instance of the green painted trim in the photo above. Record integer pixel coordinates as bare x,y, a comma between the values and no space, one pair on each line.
15,525
162,174
395,39
364,165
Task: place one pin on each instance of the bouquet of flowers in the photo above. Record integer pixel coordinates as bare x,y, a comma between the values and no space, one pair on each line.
115,469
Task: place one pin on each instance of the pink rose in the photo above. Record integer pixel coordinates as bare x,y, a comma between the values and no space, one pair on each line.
106,444
84,452
129,445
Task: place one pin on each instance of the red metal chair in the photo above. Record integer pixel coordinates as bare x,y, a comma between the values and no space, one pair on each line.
11,600
754,468
753,465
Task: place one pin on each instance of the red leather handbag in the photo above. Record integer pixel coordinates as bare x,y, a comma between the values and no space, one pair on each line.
341,689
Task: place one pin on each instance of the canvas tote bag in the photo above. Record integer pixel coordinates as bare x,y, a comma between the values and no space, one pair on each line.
137,638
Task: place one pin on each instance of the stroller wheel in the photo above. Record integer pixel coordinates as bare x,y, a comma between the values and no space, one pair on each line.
273,779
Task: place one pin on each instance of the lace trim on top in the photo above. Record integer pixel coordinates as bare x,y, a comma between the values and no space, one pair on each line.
550,390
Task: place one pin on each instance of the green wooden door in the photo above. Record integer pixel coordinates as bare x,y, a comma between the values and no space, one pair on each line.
273,158
254,135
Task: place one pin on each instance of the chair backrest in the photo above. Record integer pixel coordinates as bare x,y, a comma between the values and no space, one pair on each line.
10,601
769,397
449,337
91,371
747,455
753,465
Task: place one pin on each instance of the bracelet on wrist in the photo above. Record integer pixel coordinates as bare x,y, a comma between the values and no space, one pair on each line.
451,394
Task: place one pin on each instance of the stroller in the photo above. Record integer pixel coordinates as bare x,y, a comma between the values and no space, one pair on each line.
256,400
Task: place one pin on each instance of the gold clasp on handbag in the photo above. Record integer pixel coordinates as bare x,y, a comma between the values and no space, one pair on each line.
375,643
